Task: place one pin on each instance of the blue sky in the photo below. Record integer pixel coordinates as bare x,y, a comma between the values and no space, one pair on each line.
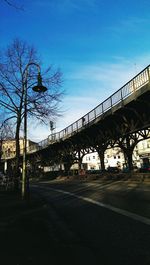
98,44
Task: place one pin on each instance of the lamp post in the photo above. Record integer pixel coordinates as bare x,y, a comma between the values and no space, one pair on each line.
38,88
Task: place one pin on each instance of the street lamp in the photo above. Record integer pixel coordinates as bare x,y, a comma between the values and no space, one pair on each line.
38,88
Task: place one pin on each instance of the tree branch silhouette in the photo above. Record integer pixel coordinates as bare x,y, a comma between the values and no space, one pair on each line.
14,5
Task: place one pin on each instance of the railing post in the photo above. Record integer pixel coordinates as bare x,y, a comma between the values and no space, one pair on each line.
88,118
95,113
102,108
148,74
134,89
121,96
77,125
111,104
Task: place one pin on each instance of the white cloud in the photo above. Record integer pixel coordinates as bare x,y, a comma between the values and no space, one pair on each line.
37,132
101,80
67,5
131,24
110,75
76,107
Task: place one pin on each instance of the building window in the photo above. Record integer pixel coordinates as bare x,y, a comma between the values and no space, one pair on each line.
148,144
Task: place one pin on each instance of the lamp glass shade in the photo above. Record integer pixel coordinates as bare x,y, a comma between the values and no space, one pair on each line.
39,87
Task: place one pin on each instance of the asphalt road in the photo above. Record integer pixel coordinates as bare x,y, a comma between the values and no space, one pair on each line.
98,222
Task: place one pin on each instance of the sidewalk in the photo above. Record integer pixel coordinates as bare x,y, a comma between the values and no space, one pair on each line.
24,236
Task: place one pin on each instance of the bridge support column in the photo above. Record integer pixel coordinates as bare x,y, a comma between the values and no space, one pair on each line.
80,157
67,167
128,157
81,152
67,160
80,164
101,153
127,144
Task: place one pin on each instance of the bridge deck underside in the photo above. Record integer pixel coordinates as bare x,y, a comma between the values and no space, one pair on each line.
126,117
129,116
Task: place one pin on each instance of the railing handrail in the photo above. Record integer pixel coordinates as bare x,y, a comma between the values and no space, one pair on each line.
109,96
101,104
52,138
105,99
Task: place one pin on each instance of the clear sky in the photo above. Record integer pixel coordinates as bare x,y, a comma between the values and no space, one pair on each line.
98,44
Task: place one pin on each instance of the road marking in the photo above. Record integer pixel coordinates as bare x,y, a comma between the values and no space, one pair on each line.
107,206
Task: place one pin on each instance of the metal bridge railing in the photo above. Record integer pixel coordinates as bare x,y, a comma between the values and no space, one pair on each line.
125,91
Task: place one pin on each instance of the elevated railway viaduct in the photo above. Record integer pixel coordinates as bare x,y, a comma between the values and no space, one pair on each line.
121,120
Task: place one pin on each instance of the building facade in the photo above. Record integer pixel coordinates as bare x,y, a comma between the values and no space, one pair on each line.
9,147
114,157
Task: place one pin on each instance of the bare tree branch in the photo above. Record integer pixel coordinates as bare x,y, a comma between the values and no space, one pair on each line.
14,77
14,5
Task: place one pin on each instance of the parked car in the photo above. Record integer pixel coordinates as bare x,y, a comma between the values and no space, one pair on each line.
125,170
94,171
113,170
145,168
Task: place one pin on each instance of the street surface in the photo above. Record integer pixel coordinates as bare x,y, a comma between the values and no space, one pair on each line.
98,222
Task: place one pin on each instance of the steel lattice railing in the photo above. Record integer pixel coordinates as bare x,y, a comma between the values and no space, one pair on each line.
125,91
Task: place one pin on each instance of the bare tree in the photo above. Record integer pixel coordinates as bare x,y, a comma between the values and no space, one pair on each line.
13,77
14,5
6,133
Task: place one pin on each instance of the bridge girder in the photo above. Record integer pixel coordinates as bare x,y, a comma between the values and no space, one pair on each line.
123,121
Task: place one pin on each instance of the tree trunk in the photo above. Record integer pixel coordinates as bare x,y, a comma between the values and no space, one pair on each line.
17,171
1,143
